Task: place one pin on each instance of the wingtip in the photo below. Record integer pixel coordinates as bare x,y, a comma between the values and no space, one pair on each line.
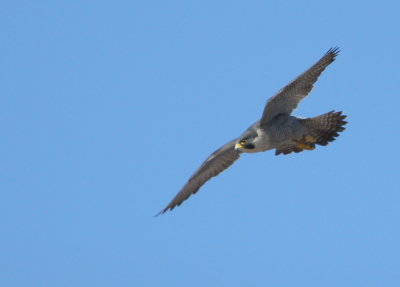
334,51
161,212
169,207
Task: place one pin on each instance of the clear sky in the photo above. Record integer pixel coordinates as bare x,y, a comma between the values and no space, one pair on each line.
107,107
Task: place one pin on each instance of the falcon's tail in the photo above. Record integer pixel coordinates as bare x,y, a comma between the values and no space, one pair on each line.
325,128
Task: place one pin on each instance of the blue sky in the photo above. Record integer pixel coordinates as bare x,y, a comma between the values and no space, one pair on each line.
107,107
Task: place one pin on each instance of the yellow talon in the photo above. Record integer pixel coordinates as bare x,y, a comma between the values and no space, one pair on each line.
306,143
310,139
306,146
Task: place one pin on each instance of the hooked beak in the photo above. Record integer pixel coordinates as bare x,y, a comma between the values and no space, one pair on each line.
238,147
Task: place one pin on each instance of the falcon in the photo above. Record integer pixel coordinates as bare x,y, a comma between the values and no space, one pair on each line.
277,129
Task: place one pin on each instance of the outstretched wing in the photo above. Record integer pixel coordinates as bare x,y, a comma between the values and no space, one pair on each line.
217,162
287,99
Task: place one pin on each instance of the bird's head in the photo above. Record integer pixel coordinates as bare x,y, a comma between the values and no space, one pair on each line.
245,144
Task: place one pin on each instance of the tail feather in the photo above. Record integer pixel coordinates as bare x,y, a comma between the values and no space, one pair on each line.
322,130
325,128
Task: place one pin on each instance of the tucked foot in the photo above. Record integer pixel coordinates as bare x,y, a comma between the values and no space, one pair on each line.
310,139
306,143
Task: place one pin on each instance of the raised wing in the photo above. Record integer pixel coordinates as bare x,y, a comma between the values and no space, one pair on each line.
288,98
217,162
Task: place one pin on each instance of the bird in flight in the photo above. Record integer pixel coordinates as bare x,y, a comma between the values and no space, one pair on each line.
277,129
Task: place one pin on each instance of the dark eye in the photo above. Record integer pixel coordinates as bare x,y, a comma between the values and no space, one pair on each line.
243,141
